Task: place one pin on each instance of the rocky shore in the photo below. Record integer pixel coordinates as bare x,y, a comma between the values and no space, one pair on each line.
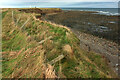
107,49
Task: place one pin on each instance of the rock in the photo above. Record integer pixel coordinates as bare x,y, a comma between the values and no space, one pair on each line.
67,48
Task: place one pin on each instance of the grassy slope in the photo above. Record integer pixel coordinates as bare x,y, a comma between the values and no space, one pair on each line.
23,56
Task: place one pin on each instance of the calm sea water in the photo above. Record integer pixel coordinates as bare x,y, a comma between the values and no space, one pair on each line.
104,11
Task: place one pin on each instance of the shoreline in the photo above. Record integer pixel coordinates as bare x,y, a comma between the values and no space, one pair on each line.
97,11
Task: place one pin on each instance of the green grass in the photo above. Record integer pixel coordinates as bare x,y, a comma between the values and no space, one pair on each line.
15,43
60,34
8,67
3,14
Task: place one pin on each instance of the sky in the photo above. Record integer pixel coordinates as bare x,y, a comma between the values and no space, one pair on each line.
59,3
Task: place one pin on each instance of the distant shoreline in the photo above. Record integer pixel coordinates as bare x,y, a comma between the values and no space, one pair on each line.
101,11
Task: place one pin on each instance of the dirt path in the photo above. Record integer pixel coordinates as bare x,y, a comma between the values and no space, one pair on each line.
108,49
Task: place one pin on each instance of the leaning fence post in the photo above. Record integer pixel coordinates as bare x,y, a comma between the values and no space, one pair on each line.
12,16
18,19
25,23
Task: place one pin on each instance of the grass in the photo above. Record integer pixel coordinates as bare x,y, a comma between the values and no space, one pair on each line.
15,43
82,64
3,14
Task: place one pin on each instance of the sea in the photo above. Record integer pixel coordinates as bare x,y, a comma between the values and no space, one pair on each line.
102,11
